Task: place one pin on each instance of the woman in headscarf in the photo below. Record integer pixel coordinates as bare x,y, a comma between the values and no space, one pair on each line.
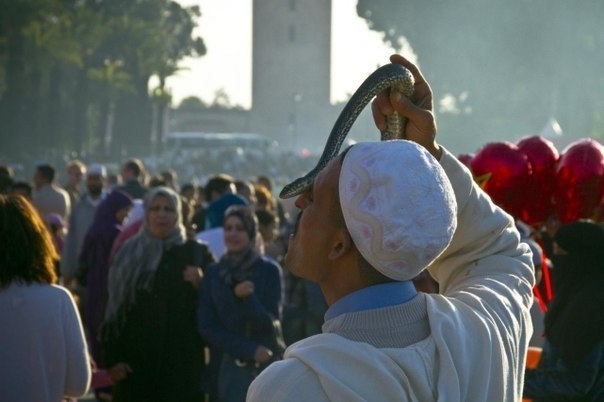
240,305
571,367
94,262
150,329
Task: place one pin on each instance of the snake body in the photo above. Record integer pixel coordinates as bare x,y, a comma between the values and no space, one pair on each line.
388,76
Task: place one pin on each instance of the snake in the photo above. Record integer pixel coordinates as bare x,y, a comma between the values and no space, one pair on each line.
391,75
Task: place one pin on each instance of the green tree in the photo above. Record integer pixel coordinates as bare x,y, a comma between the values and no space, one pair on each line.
74,74
28,32
151,37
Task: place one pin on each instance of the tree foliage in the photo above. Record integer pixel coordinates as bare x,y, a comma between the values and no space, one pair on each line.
74,71
510,65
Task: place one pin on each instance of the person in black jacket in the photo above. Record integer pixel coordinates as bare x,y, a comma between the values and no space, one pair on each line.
571,367
150,330
132,173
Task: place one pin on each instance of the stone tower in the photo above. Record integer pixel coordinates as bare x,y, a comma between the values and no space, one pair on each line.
291,72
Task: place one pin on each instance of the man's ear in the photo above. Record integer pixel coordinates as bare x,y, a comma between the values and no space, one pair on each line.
342,245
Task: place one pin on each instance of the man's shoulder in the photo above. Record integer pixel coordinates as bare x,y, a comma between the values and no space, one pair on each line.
322,367
60,190
286,380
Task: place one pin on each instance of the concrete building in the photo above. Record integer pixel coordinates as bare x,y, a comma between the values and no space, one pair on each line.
291,70
290,80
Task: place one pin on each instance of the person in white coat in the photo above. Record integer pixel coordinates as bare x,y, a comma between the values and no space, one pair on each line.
373,219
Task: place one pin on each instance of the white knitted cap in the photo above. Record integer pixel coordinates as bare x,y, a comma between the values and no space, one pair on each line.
96,169
398,205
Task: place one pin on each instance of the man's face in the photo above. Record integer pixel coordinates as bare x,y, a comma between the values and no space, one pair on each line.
311,242
95,184
74,175
39,180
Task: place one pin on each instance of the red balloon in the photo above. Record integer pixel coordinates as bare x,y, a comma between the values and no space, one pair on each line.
503,172
580,181
543,156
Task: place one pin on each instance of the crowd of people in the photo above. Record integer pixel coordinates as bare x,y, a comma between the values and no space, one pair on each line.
132,256
400,278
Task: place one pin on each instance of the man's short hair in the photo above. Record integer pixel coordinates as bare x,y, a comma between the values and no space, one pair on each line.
221,183
47,171
135,166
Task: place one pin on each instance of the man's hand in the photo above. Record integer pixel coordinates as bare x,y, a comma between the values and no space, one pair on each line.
421,125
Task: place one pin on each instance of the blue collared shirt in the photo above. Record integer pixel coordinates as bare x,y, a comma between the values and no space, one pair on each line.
372,297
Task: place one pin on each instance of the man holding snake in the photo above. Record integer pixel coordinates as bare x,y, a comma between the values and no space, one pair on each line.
374,218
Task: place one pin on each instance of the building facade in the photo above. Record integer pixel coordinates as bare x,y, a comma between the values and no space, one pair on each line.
290,78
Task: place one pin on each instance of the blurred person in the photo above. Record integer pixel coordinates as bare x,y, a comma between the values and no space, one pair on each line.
268,227
7,177
188,196
150,329
131,226
216,187
22,188
57,227
201,195
264,198
42,345
132,175
190,192
156,180
284,218
304,308
49,197
539,307
571,367
170,178
246,189
82,216
76,169
113,181
240,299
304,305
94,261
374,218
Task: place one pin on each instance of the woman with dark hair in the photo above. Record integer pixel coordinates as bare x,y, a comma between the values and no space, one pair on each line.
240,302
571,367
149,333
42,345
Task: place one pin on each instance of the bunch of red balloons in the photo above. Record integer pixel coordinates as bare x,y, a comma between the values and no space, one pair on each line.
532,181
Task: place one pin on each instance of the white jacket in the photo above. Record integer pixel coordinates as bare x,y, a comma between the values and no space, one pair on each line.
478,328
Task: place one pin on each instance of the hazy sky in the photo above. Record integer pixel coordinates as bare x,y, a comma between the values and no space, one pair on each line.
227,64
